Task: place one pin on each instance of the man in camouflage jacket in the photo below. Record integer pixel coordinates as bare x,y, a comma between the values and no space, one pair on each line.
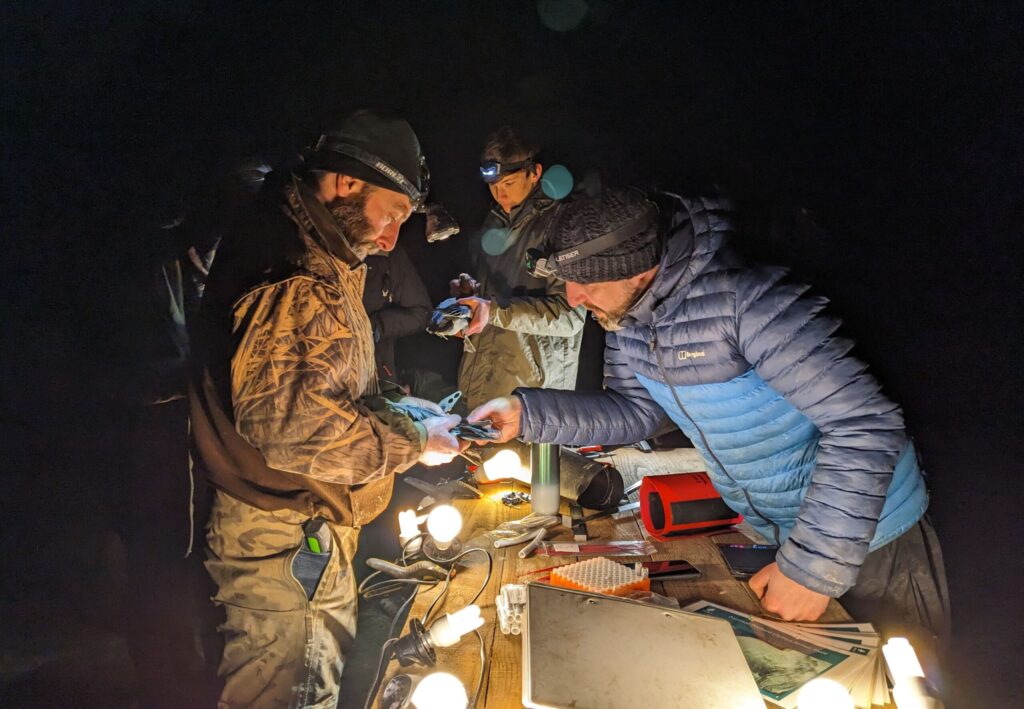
287,419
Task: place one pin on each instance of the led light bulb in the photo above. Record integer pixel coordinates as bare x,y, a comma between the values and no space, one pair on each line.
448,630
824,693
444,523
504,465
409,528
439,690
910,690
902,659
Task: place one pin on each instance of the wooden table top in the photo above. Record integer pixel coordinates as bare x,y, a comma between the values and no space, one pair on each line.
502,684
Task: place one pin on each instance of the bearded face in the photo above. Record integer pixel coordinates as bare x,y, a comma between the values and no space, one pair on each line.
350,213
609,301
616,308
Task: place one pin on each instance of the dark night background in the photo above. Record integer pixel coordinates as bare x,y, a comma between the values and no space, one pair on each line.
876,148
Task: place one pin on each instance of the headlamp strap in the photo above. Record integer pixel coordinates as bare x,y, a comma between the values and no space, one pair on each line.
606,241
376,163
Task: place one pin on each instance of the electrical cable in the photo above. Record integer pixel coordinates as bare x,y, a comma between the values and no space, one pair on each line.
390,585
406,546
364,584
381,588
377,674
441,594
447,581
487,578
384,588
484,662
381,664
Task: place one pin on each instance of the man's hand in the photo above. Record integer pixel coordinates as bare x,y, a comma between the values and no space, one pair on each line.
786,598
463,286
504,413
481,315
441,445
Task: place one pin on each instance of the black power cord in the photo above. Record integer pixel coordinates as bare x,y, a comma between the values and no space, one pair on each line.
385,587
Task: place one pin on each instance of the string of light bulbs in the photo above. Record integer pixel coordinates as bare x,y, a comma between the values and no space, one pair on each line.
422,555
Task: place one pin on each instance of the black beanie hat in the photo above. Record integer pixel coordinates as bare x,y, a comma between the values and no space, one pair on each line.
376,147
585,217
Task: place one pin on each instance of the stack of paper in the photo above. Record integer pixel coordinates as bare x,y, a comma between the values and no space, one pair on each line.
783,657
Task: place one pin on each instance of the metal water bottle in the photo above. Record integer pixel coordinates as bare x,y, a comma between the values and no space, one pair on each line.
544,478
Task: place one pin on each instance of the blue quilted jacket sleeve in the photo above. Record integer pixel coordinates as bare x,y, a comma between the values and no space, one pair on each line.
623,413
792,345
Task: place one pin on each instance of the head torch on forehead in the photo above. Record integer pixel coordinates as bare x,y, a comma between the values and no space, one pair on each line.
552,264
416,194
439,223
491,170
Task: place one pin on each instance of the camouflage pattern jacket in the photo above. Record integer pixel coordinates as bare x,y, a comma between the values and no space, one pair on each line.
284,401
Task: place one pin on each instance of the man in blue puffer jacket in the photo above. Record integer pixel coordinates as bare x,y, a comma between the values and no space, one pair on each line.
796,435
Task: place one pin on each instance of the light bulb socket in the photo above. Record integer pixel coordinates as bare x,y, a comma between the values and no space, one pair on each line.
433,551
415,647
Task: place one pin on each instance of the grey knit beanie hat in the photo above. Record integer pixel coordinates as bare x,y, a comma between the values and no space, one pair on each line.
585,217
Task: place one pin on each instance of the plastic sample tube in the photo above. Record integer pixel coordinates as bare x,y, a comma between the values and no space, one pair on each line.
534,543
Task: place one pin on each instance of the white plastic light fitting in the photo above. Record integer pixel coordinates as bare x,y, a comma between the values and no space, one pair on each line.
910,689
409,528
448,630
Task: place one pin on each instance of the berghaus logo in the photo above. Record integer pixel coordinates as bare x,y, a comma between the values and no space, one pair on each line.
689,354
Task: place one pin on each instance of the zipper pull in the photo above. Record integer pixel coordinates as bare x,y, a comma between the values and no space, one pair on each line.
654,338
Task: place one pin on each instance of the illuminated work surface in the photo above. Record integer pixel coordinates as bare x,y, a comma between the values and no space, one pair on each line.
502,687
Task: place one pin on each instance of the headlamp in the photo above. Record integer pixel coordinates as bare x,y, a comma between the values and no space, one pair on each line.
491,170
537,264
546,265
440,224
417,194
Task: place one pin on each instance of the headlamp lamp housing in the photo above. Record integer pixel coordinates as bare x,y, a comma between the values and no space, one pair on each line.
492,170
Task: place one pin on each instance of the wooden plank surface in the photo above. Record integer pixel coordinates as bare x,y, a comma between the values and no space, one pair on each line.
502,684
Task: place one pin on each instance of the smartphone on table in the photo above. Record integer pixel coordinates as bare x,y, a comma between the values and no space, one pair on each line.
671,570
745,560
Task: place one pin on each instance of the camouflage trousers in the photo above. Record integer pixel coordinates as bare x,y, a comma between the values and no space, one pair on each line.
281,648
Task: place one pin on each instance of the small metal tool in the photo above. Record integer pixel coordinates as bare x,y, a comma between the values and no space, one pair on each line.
448,403
444,491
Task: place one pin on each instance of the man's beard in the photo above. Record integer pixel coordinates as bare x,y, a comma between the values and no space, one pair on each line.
350,213
606,321
611,320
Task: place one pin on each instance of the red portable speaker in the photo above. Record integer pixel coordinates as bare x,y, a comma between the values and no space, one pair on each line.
684,503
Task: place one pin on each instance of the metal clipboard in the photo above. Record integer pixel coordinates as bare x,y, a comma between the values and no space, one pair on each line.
589,651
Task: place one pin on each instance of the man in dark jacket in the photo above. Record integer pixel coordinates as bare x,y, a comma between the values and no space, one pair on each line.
795,434
398,305
523,331
286,415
